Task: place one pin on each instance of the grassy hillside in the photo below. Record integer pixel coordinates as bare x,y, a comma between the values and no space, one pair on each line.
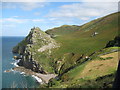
94,73
82,42
89,40
63,30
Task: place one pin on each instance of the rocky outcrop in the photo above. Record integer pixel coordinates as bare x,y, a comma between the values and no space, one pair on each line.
48,47
113,43
36,42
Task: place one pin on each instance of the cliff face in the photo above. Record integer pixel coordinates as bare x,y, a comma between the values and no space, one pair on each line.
33,48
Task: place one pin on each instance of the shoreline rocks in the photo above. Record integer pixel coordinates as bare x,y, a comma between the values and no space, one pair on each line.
44,77
7,71
17,57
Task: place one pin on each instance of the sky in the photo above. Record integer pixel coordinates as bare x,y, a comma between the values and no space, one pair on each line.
19,17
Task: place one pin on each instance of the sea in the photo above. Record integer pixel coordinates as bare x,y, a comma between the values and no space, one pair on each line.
14,79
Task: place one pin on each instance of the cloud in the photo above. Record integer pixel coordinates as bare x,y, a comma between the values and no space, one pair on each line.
16,16
37,13
38,20
85,18
31,5
9,25
16,20
99,0
23,5
0,20
60,0
84,11
52,19
23,0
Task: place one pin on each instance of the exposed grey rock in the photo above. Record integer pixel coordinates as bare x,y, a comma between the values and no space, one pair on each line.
48,47
36,41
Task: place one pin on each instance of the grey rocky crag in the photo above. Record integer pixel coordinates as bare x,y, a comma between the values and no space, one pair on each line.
36,45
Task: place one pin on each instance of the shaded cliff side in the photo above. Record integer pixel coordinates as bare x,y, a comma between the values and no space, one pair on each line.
115,42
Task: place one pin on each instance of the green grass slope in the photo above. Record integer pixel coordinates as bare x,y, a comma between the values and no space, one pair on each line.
96,73
63,30
83,42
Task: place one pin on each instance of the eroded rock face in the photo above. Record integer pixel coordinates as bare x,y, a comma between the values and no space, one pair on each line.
48,47
36,42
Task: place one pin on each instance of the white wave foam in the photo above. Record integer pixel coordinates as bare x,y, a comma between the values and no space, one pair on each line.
22,73
38,79
5,71
12,70
16,63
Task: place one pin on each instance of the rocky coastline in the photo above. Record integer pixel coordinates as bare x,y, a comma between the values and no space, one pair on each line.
44,77
41,78
26,51
28,48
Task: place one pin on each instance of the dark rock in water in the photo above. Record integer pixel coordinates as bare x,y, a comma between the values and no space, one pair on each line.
7,71
20,63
